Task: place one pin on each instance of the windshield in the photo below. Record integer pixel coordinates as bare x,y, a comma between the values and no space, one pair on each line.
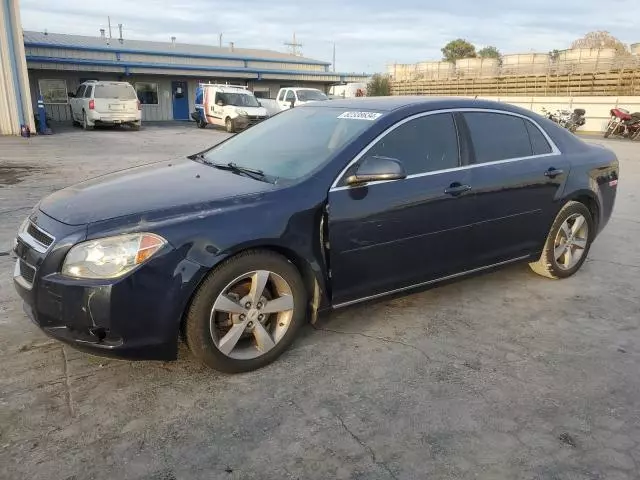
309,95
293,143
121,92
240,99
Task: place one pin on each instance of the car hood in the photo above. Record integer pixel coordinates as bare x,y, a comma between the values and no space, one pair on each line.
154,187
254,111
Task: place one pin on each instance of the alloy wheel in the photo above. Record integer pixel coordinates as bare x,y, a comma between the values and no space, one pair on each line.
571,241
251,314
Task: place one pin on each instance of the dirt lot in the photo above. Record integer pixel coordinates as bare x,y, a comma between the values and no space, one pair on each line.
502,376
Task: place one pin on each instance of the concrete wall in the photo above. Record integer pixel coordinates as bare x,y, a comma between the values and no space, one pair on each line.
597,108
15,106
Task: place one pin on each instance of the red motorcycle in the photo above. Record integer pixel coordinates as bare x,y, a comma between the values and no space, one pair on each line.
623,124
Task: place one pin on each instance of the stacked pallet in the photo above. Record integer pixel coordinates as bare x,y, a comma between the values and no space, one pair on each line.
615,83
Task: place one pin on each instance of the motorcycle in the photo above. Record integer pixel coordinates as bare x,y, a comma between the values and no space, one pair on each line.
623,124
566,118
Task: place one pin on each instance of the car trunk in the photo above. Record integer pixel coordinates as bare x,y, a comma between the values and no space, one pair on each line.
115,98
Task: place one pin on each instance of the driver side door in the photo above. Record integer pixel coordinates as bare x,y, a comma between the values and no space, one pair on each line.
390,235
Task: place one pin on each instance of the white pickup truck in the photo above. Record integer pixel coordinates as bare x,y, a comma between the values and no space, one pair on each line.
292,96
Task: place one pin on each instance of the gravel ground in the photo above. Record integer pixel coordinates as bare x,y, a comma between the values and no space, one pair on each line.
502,376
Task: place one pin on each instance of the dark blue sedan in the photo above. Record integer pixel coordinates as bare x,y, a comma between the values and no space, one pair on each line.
320,207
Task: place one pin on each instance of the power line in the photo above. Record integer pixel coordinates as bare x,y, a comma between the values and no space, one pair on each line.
294,45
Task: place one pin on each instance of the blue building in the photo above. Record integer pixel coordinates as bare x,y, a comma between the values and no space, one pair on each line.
165,75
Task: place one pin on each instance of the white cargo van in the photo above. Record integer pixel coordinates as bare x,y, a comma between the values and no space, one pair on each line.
231,106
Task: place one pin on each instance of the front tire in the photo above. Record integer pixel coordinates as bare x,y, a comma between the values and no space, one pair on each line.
85,122
74,122
568,242
228,124
611,127
247,312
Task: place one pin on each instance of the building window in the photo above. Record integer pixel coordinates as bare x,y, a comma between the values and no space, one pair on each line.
147,93
53,91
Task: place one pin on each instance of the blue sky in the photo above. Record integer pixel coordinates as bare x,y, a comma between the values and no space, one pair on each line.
368,34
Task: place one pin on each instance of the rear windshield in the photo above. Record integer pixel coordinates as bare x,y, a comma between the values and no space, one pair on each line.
310,95
121,92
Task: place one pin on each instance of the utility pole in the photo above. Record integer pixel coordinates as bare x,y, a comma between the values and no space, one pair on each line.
109,19
294,46
220,40
334,57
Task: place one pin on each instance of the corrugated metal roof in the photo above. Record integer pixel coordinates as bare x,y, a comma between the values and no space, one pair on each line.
84,42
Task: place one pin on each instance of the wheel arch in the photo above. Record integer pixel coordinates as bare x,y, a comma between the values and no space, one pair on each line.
312,280
590,200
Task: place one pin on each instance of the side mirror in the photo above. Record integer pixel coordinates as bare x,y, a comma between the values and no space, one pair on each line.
377,169
292,104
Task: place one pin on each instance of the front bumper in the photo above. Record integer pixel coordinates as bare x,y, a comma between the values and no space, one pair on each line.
245,121
136,317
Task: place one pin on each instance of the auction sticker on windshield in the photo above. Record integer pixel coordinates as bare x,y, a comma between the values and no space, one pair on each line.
371,116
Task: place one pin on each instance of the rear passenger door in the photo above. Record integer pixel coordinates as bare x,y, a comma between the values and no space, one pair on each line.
517,178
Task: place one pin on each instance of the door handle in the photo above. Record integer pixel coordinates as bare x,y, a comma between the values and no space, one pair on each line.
456,189
553,172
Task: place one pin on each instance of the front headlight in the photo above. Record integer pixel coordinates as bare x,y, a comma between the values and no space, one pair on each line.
240,111
111,257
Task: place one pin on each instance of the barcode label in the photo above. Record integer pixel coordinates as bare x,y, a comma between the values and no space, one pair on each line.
371,116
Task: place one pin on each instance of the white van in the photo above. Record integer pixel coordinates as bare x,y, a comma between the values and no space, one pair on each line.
231,106
106,103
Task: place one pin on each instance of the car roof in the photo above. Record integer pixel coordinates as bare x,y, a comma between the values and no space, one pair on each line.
388,104
104,82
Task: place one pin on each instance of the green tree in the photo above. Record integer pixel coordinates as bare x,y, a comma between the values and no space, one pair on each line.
379,86
489,52
601,39
457,49
554,54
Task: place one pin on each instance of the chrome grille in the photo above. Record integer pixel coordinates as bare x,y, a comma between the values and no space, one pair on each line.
39,235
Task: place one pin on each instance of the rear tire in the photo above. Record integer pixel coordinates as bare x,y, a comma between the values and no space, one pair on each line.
135,126
568,242
209,325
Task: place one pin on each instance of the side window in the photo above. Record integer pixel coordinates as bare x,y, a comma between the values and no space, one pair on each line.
497,136
425,144
290,96
217,98
539,143
80,91
88,93
281,96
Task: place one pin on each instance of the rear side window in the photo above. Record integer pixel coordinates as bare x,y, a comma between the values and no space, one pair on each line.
290,96
87,92
115,91
498,136
80,91
539,144
424,144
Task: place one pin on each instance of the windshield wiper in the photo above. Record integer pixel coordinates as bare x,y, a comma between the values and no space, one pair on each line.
232,167
249,172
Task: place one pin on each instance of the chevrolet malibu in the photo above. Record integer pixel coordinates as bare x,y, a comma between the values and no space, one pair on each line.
320,207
